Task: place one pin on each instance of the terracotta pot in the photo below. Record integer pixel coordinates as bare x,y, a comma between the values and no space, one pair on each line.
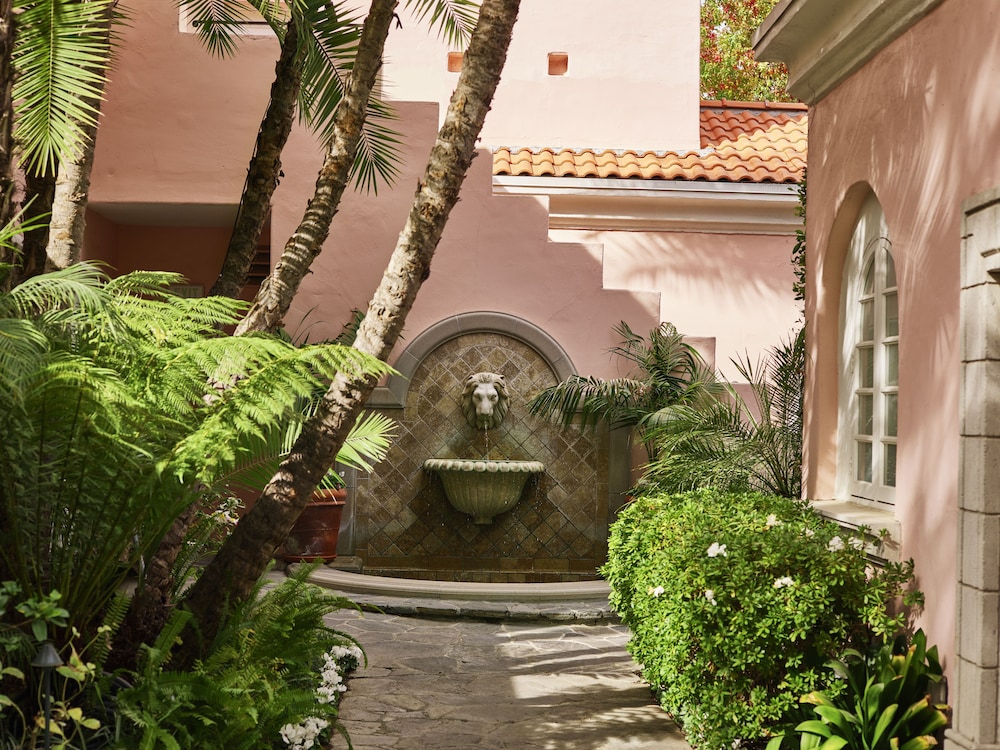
314,535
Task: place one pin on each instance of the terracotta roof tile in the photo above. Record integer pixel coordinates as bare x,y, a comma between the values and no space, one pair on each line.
740,142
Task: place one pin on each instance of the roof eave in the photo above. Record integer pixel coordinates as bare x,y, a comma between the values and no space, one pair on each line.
823,43
595,203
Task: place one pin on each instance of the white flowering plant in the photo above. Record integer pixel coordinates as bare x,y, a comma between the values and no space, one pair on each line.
737,601
272,678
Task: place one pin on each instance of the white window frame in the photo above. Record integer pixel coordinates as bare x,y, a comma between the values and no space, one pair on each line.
870,243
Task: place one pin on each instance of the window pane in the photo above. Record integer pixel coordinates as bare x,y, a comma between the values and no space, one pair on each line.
865,412
892,364
890,465
891,414
866,366
869,285
864,472
890,271
891,314
868,320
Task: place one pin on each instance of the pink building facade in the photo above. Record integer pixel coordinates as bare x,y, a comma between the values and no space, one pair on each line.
556,258
901,302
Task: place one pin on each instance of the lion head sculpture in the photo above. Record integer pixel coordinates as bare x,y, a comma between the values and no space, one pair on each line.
484,400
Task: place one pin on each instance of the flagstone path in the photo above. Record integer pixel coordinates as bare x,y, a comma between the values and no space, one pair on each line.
437,684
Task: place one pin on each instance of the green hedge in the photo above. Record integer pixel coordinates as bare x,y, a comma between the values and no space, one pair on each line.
735,603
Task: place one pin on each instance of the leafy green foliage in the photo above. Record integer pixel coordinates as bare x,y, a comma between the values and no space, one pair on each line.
261,673
883,704
728,67
76,684
123,403
736,602
732,445
799,248
667,372
61,52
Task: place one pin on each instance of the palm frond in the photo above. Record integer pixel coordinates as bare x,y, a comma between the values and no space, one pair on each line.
61,54
454,20
731,446
329,36
217,22
379,154
591,401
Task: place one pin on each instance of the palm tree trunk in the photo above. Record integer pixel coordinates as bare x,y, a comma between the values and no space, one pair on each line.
6,117
72,188
265,166
244,556
39,192
278,290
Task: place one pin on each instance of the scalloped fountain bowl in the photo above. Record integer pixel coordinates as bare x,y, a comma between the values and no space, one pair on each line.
483,489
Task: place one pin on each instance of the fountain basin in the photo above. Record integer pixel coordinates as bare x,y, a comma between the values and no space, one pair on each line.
483,489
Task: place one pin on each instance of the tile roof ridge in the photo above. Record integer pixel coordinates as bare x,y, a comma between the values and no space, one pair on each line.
758,105
704,151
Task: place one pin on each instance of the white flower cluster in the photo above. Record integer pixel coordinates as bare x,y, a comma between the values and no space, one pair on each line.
780,583
710,596
302,736
332,681
716,550
772,520
658,591
350,657
336,662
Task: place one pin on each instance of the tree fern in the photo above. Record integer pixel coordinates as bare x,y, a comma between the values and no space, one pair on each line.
112,421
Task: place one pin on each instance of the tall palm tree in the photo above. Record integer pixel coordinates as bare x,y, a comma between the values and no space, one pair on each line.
55,55
245,554
319,48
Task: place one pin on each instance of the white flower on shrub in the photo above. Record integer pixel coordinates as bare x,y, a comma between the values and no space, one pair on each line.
809,532
772,520
657,591
717,549
710,596
302,736
836,544
856,542
780,583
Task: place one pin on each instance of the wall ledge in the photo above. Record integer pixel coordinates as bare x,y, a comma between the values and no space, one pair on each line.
853,515
823,43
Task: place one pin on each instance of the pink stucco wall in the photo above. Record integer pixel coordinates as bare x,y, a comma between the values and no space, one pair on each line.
915,126
178,128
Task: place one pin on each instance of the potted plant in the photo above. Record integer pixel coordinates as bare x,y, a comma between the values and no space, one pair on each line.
316,531
314,535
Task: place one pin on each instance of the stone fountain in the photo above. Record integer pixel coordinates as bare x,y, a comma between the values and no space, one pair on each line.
483,488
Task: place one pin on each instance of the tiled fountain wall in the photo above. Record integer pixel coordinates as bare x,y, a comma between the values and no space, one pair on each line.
404,524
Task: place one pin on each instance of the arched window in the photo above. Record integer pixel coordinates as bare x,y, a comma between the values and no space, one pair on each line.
869,364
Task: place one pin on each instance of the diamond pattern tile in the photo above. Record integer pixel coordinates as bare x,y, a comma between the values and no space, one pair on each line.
404,521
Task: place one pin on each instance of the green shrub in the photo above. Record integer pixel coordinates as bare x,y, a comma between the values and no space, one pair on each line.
736,602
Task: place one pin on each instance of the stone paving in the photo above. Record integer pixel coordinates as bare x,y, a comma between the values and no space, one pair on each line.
459,684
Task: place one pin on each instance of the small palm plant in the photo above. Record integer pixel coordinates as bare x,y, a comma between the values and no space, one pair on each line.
667,372
732,444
